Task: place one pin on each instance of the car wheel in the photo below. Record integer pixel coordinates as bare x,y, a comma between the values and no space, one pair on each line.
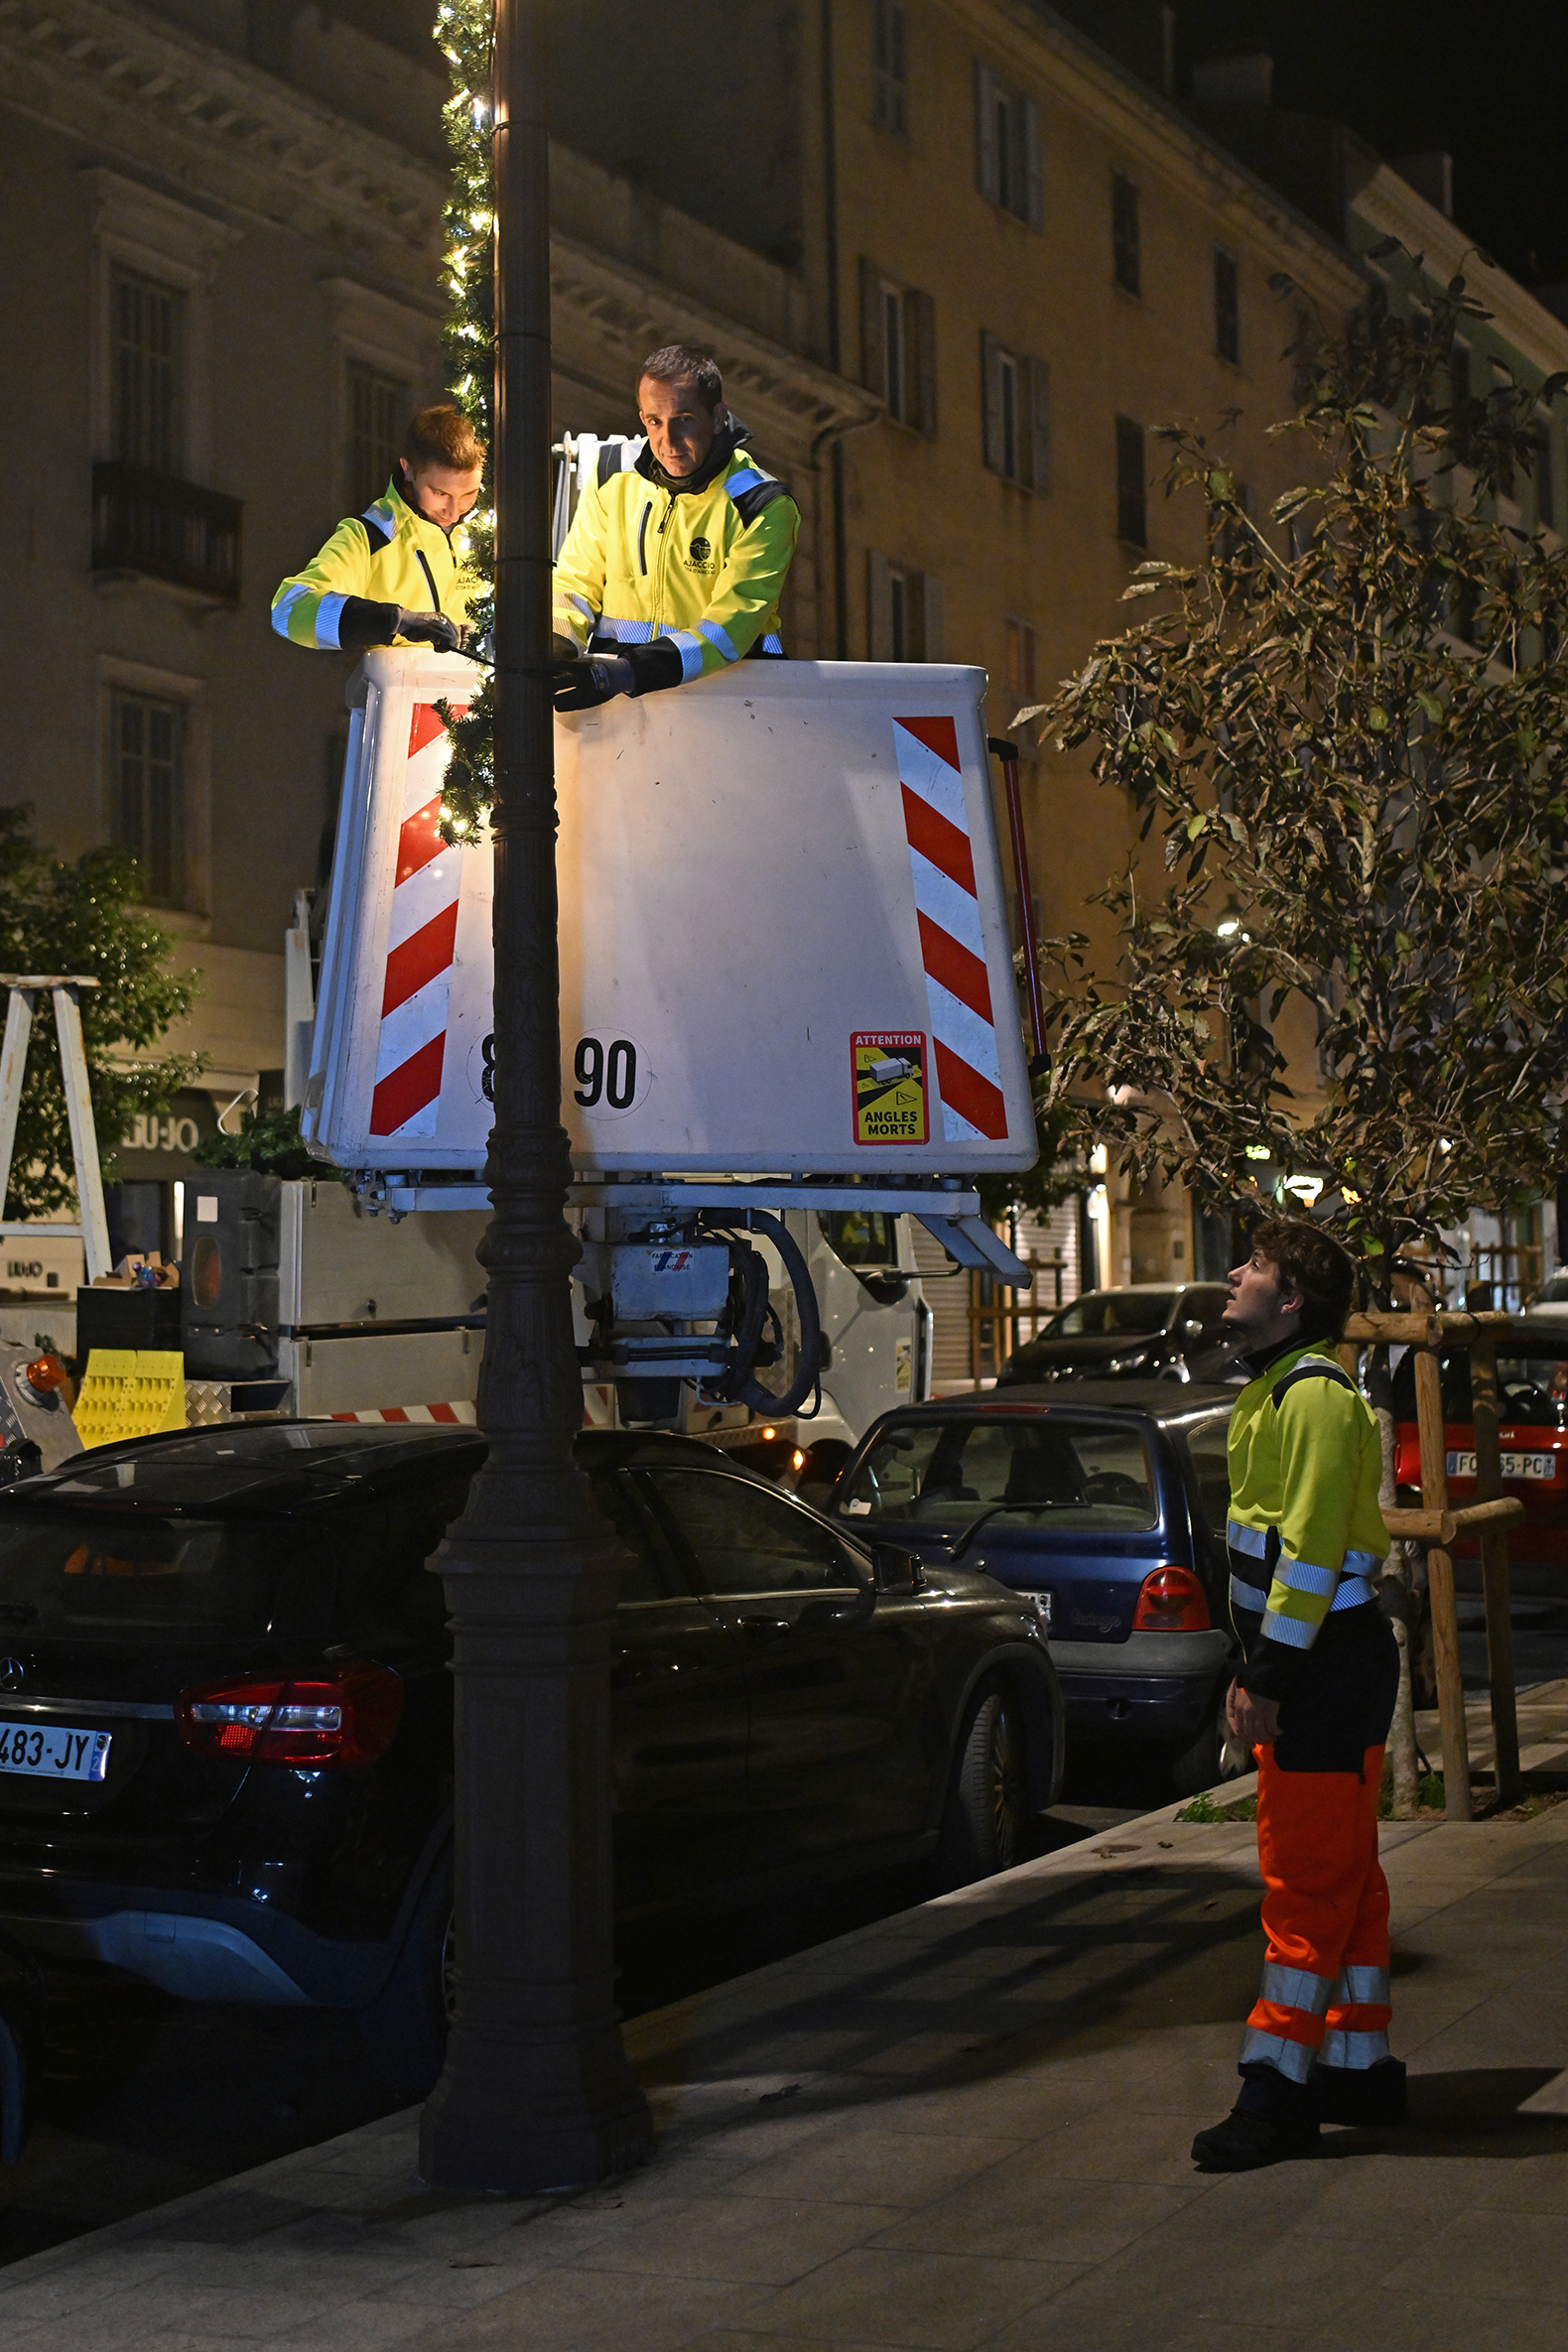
1214,1757
404,2028
988,1808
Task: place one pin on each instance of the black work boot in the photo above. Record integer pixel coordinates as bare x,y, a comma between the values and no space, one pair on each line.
1271,2121
1373,2096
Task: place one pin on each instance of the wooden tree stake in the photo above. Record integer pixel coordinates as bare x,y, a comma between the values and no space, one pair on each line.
1440,1585
1494,1569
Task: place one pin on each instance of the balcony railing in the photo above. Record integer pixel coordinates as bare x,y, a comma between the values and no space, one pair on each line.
164,529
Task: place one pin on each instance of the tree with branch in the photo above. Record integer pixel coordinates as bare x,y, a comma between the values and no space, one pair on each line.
80,916
1347,730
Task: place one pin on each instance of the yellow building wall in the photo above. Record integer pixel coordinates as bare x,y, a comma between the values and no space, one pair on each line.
1054,559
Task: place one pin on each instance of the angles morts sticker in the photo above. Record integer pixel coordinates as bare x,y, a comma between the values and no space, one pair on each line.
890,1077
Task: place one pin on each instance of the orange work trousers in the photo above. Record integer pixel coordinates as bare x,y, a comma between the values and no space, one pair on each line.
1324,1995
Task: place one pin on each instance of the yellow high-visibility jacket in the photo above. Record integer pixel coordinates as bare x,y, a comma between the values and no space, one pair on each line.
389,557
1305,1534
685,579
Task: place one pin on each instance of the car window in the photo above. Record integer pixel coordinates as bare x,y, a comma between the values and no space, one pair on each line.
640,1579
1205,1303
745,1540
1066,1471
860,1236
1205,1444
96,1573
1533,1382
1102,1313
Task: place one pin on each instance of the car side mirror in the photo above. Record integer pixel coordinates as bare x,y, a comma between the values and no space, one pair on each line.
896,1570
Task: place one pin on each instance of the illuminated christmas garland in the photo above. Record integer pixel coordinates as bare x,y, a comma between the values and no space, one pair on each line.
464,30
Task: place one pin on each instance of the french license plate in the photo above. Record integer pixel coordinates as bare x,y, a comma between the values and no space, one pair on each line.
54,1752
1520,1466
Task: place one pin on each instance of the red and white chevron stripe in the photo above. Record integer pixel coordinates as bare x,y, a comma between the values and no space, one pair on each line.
420,940
953,944
459,1412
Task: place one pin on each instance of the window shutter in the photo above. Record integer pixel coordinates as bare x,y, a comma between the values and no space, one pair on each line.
920,346
930,618
991,401
873,341
986,159
879,608
1036,470
1033,207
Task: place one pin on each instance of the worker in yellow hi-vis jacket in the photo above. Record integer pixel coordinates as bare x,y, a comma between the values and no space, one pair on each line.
1315,1697
672,569
391,575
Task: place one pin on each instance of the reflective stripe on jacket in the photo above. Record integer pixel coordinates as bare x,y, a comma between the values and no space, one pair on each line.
388,556
1305,1532
698,571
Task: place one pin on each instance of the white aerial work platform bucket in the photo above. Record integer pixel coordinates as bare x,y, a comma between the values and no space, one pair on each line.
783,942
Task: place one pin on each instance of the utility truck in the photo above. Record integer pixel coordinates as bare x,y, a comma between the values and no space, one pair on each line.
789,1025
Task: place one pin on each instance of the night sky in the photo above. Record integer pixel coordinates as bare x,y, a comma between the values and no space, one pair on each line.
1487,79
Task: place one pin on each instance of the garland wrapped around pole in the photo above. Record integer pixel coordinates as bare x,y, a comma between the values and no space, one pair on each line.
464,30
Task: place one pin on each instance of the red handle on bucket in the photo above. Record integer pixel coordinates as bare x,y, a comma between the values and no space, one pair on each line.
1007,753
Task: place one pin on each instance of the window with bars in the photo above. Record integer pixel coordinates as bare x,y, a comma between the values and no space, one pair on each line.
1007,142
1227,306
898,347
1132,518
147,348
378,407
1016,415
890,67
1542,467
904,612
148,752
1125,250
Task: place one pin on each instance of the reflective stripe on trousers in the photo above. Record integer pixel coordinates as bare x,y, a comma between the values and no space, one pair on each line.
1358,2019
1324,1992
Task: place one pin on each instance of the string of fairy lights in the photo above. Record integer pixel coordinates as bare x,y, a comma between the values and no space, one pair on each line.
463,30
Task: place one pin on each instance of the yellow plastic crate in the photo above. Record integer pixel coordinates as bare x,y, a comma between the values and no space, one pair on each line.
130,1393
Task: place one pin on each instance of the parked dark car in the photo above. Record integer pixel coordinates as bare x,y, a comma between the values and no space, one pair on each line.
225,1715
1149,1329
1110,1498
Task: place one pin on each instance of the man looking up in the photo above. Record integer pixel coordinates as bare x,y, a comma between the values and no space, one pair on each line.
672,571
389,576
1315,1697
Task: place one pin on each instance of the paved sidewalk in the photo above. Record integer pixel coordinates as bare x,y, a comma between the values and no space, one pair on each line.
966,2126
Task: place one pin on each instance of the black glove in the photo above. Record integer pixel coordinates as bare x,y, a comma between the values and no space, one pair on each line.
429,628
583,684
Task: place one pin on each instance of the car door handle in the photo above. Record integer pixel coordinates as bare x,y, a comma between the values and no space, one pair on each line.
767,1629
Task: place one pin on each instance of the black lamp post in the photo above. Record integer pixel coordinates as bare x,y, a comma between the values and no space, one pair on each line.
536,2093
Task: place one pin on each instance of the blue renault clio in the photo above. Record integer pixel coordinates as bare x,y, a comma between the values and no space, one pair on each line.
1108,1499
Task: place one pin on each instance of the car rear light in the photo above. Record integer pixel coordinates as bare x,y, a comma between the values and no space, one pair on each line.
1172,1602
331,1721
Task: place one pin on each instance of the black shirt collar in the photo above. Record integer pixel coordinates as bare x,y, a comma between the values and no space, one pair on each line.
1262,1359
726,441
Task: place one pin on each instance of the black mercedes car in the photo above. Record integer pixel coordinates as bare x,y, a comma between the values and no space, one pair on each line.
225,1711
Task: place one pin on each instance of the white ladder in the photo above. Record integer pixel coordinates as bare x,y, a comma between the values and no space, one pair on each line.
94,1228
